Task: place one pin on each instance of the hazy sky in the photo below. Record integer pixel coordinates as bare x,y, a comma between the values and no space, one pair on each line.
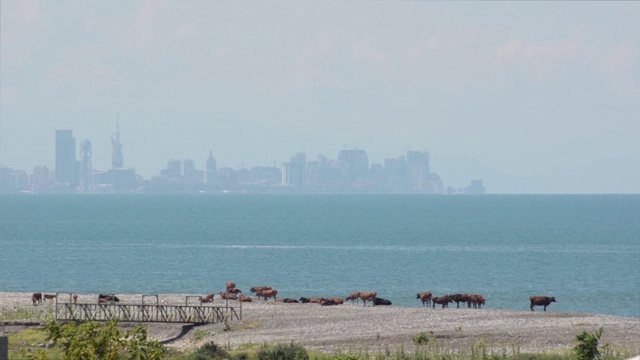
522,86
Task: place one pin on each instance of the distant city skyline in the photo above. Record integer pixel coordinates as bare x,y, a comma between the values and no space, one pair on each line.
532,97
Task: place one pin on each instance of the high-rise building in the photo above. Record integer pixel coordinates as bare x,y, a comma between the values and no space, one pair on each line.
294,172
211,171
86,183
354,164
189,169
418,171
117,159
66,158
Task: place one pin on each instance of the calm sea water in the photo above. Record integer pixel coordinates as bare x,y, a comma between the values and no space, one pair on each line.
584,250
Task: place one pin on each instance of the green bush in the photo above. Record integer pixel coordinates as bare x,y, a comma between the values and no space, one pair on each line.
90,341
421,339
587,346
210,351
283,352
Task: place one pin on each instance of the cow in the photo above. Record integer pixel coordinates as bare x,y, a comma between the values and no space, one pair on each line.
206,299
327,302
36,299
234,291
75,298
303,300
476,300
337,300
266,294
443,300
381,301
315,300
460,298
541,301
289,301
257,289
106,298
230,285
425,297
354,296
227,296
244,298
49,297
367,296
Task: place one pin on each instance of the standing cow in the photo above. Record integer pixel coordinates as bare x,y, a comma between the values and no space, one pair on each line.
541,301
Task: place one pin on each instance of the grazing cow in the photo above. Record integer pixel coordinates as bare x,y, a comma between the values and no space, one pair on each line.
460,298
289,301
230,285
106,298
381,301
234,291
75,298
49,297
541,301
443,300
304,300
243,298
425,297
227,296
354,296
367,296
207,299
266,294
36,299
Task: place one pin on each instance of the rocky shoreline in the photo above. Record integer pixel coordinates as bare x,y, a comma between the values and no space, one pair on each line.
351,327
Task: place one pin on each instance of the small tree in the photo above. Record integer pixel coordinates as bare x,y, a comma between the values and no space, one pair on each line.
587,346
92,341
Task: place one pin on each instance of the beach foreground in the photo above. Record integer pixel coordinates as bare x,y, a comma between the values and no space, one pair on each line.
350,327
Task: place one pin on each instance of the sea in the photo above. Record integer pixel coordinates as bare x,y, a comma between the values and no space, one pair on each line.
584,250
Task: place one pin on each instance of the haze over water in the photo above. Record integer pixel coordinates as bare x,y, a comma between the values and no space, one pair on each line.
582,249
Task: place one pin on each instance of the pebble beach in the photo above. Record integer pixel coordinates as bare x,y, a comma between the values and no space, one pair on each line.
351,327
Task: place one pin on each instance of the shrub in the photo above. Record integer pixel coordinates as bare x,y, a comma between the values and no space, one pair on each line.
587,346
421,339
283,352
210,351
91,341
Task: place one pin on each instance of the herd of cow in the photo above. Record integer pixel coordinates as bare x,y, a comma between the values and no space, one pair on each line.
475,301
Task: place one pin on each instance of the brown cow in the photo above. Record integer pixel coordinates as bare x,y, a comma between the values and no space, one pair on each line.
234,291
443,300
227,296
476,300
207,299
289,301
425,297
337,300
244,298
327,302
368,296
541,301
257,289
354,296
36,299
49,297
460,298
75,298
230,285
266,294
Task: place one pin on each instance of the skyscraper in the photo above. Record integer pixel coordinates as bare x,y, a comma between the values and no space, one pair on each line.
66,157
117,160
211,172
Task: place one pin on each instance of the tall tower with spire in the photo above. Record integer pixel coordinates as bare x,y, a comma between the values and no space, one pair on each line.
117,160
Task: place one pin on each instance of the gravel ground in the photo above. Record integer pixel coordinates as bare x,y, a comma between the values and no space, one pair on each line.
355,327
